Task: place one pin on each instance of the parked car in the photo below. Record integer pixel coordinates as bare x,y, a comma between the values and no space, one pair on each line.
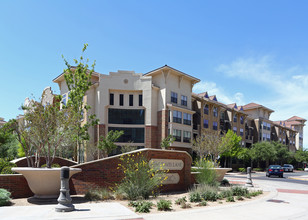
288,168
276,170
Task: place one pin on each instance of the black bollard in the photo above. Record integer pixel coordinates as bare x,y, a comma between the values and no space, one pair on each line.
249,181
65,200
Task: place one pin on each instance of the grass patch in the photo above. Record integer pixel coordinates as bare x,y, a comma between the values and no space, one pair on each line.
98,194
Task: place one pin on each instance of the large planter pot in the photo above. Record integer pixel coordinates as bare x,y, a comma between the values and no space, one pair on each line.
220,172
44,182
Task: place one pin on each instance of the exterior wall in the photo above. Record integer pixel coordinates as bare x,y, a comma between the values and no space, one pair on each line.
151,137
16,184
104,172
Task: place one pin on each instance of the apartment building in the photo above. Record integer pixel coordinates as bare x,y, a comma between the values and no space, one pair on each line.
147,107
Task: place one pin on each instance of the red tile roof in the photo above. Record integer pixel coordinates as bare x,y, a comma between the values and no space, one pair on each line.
253,105
296,118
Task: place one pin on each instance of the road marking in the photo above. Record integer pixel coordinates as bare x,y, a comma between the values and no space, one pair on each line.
293,191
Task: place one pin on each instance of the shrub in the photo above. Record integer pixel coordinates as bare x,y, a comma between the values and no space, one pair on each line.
210,196
230,199
98,194
185,205
225,182
258,169
141,206
141,179
248,196
226,193
180,200
164,205
255,193
195,197
300,169
5,166
239,191
54,165
4,197
240,198
207,174
241,169
203,203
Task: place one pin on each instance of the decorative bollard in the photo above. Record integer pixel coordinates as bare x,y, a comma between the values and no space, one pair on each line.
249,182
65,200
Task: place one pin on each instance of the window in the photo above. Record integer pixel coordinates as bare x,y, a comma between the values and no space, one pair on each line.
206,109
242,119
186,136
268,137
264,137
140,100
264,125
241,131
131,100
235,118
222,115
64,99
126,116
177,135
235,129
184,100
279,139
174,97
215,125
121,103
135,135
187,119
177,116
268,126
215,111
205,123
284,141
111,99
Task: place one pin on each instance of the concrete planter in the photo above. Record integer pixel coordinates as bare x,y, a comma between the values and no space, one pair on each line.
220,172
44,182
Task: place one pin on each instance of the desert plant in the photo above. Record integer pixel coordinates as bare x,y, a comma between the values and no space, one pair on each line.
230,199
240,198
207,174
195,197
210,195
98,194
141,179
239,191
185,205
225,182
4,197
180,200
225,193
255,193
141,206
164,205
203,203
258,169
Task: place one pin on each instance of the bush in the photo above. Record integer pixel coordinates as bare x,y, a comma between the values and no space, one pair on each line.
203,203
230,199
185,205
141,180
179,201
300,169
4,197
224,182
164,205
258,169
141,206
239,191
210,196
98,194
226,193
206,175
5,166
255,193
240,198
242,170
195,197
54,165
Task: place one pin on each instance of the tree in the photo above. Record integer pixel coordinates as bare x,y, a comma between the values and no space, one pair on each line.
78,80
166,142
107,144
301,156
263,151
282,155
231,146
8,143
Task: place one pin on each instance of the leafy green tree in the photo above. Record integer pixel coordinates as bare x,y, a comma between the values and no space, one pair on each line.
8,143
301,156
107,144
283,154
78,79
263,151
166,142
231,145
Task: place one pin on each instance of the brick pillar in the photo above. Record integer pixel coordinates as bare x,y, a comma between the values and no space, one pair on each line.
151,137
162,125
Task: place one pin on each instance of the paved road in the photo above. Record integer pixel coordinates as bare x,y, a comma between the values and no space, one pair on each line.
288,199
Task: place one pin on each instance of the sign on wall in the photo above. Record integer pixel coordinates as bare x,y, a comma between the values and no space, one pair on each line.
167,164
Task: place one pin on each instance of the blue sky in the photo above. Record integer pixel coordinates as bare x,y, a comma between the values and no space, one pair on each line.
243,51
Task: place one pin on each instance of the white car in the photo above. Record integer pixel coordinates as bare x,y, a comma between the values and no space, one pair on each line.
306,169
288,168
